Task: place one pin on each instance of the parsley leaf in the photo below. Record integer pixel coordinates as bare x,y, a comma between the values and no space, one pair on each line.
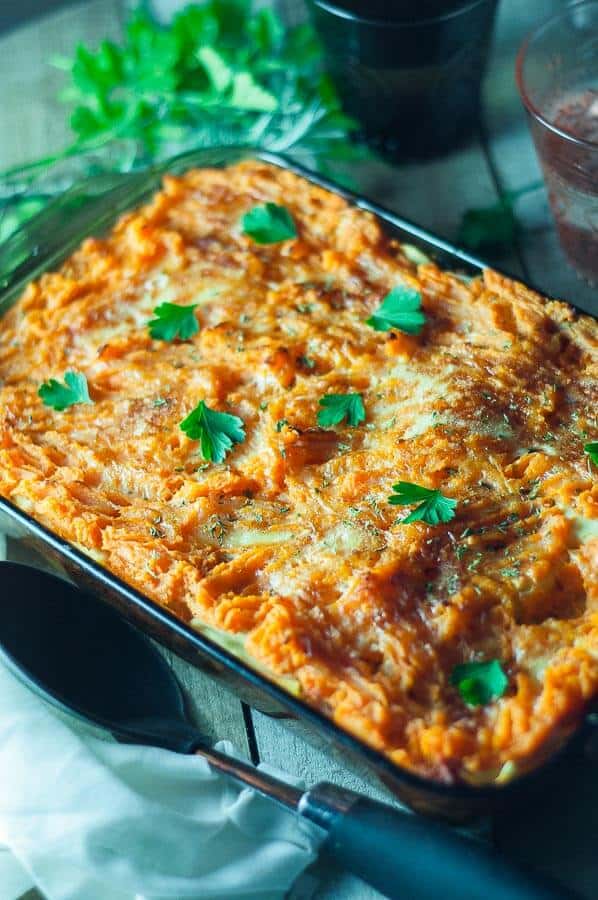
433,509
248,94
269,224
336,407
400,309
216,431
479,682
216,68
16,210
245,92
489,226
592,450
61,396
267,30
496,225
173,321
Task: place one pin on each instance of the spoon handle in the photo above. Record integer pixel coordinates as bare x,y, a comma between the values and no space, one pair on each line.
283,793
404,855
400,854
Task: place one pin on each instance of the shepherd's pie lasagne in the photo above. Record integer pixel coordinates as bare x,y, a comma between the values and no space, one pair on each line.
373,478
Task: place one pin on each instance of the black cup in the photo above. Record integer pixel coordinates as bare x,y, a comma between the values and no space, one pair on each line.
413,83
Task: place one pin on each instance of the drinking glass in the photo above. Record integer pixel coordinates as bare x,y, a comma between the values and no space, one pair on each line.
409,72
557,74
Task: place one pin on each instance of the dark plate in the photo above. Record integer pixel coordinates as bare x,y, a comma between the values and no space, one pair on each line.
91,207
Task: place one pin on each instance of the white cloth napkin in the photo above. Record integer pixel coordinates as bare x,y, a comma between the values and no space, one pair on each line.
91,819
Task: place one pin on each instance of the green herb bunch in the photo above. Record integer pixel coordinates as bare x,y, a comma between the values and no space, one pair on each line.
219,74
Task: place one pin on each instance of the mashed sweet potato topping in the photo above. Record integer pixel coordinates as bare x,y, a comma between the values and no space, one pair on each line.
289,549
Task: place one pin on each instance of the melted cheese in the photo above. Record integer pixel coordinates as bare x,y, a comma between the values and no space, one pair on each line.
288,553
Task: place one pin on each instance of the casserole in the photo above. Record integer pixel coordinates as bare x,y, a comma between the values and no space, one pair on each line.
385,265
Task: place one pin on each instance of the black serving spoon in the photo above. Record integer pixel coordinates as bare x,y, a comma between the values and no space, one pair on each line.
80,655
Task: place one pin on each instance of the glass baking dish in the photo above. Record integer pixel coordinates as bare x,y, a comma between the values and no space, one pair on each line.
92,207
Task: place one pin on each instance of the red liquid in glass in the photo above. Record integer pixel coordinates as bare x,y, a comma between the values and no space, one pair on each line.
571,170
579,116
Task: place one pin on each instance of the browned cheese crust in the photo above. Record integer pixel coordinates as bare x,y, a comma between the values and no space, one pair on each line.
290,544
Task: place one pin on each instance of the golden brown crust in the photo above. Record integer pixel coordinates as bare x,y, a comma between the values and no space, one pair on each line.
291,542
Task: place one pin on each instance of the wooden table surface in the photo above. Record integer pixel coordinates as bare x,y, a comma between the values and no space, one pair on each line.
559,835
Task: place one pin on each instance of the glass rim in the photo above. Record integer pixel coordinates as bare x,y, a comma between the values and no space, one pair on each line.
536,32
331,7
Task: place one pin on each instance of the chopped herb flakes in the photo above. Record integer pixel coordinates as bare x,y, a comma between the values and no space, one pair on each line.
269,224
479,682
336,407
472,566
433,509
400,309
61,396
216,528
216,431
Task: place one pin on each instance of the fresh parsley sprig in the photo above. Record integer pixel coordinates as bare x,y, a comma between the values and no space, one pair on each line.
216,431
592,451
61,396
221,74
336,407
173,321
400,309
480,682
433,507
269,224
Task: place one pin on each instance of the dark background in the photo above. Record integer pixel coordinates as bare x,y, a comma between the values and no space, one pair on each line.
12,12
